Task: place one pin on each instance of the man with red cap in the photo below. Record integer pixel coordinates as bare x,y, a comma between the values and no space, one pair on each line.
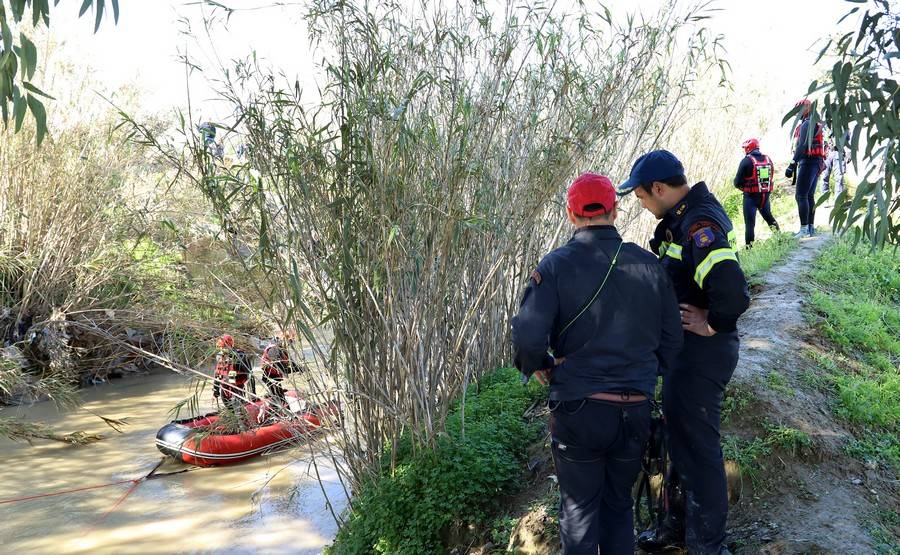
756,178
599,320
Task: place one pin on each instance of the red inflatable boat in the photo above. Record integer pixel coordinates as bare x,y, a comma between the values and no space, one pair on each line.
217,445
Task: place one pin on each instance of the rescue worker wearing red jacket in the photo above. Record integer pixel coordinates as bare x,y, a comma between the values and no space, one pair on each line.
756,178
276,364
809,161
232,371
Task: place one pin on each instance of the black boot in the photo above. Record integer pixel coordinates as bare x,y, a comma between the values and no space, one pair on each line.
668,536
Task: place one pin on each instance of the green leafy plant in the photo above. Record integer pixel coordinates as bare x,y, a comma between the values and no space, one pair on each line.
862,98
19,58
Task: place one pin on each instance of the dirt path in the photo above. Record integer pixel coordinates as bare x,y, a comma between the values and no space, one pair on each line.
818,501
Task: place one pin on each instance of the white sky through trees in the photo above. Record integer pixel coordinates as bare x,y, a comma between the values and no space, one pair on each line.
770,43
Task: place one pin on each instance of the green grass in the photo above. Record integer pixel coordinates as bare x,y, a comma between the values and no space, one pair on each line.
854,300
750,453
778,383
764,254
788,439
883,525
406,511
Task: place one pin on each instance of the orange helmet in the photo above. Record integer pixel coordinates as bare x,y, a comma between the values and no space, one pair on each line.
225,341
750,144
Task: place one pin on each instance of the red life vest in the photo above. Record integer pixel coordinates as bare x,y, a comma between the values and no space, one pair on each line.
274,362
816,149
762,180
231,372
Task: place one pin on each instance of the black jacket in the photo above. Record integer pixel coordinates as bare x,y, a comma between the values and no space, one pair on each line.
621,342
695,242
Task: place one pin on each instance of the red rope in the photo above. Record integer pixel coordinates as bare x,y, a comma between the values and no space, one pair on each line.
63,492
119,502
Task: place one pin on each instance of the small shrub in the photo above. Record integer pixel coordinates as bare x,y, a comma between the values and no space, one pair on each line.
407,510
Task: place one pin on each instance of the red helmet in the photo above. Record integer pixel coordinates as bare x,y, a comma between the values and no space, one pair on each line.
807,106
225,341
750,144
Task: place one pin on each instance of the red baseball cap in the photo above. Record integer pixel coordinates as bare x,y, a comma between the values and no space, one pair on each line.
594,191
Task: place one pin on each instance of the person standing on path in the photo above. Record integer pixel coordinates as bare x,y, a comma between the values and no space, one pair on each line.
809,161
609,313
695,242
756,178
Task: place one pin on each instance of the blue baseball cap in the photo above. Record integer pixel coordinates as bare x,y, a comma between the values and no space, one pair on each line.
656,165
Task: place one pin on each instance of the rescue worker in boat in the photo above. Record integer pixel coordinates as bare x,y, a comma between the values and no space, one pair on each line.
276,364
231,374
756,178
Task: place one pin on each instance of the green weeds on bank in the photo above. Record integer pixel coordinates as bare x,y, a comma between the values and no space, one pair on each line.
411,509
854,299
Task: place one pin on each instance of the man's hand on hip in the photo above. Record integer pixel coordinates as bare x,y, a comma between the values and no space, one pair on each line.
693,319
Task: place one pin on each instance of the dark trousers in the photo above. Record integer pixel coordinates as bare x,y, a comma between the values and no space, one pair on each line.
752,203
597,447
273,384
807,177
692,400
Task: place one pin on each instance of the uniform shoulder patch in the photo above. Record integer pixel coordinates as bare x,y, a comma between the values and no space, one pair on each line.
700,224
703,237
536,277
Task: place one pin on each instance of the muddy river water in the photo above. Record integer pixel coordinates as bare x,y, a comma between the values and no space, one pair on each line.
271,504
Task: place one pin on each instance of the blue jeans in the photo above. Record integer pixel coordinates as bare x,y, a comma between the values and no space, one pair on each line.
807,177
597,448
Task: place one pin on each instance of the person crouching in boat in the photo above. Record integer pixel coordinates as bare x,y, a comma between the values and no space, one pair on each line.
232,373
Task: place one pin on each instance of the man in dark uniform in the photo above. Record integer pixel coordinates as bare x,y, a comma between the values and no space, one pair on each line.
695,242
756,178
608,312
809,161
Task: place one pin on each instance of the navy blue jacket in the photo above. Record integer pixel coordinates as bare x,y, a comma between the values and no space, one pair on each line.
695,241
621,342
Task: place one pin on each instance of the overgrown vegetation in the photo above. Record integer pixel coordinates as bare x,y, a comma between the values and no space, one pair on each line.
855,305
410,508
90,284
861,96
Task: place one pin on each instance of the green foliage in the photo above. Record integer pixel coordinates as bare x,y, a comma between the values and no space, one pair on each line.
788,439
407,509
857,294
746,453
883,526
856,300
877,447
778,383
501,530
737,398
732,200
862,98
18,62
759,258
